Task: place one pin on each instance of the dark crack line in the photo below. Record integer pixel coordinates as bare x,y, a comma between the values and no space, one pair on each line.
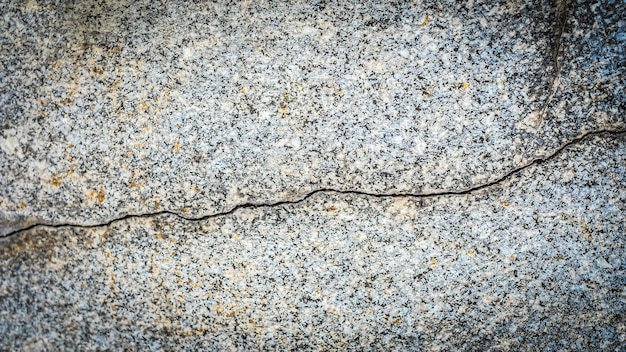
560,22
536,161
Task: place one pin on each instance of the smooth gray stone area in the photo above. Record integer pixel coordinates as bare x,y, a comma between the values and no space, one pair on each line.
536,262
110,108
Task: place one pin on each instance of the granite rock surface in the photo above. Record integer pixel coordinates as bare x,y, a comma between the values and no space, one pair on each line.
110,108
536,262
323,175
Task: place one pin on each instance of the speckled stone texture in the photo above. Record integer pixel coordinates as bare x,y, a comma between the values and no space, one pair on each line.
111,108
536,262
312,175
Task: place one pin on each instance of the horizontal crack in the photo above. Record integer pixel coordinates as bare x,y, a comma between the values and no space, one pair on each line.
535,161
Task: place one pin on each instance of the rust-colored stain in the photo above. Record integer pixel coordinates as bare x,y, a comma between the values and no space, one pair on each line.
55,182
115,84
331,208
143,106
100,196
505,203
97,71
283,105
22,205
177,147
13,250
66,101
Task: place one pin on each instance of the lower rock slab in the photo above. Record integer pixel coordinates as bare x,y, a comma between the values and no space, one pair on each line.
535,262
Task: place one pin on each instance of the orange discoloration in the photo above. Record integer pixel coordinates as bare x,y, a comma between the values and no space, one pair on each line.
115,85
143,106
100,196
97,71
55,182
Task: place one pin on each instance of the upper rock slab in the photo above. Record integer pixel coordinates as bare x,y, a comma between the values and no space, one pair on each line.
110,108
